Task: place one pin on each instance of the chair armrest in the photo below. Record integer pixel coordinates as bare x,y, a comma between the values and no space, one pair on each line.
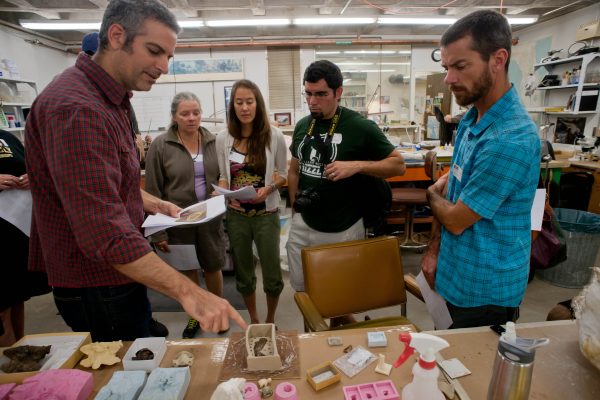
410,282
312,318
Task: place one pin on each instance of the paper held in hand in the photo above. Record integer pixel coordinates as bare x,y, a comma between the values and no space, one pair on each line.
195,214
245,193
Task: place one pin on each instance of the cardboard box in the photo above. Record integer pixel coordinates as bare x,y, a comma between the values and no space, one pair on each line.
64,352
323,375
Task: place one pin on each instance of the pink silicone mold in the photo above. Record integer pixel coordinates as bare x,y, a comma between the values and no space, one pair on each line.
380,390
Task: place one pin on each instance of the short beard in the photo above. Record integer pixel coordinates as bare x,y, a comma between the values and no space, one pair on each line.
480,89
317,115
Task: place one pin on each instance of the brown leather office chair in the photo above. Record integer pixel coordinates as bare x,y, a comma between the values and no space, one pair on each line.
406,200
353,277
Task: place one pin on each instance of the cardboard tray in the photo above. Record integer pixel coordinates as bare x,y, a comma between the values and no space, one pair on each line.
64,351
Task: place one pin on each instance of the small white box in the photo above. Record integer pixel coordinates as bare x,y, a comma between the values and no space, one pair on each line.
376,339
157,345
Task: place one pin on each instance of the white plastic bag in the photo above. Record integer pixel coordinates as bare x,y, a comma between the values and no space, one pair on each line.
586,306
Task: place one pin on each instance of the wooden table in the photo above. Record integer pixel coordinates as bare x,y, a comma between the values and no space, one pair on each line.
560,372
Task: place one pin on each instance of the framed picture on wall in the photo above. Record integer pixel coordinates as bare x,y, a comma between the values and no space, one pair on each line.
283,119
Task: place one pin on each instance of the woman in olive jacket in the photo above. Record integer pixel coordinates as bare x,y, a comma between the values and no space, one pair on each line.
181,167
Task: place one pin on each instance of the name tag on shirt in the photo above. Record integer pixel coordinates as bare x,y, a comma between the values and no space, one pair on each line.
236,157
337,138
198,158
457,172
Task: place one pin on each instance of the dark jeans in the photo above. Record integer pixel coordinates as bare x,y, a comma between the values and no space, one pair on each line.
481,316
108,312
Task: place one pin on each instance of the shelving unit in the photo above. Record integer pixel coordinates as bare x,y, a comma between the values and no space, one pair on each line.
579,95
16,96
355,96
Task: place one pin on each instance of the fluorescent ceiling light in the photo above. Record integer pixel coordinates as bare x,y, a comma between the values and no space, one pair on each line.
190,24
368,70
333,21
416,21
354,63
61,26
328,52
370,52
87,26
394,63
404,52
248,22
522,20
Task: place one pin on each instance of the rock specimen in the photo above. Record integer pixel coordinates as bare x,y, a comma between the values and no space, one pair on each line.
143,354
24,358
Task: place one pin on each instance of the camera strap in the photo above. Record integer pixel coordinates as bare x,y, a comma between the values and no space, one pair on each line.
324,145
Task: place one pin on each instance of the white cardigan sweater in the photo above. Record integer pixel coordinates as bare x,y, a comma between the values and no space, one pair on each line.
276,161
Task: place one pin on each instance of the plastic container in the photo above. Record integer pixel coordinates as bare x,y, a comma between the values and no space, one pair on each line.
582,231
157,345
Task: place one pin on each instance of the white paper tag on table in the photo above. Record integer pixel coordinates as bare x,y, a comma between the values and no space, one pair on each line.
454,368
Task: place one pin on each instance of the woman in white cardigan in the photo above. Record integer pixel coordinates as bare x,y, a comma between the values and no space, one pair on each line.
253,153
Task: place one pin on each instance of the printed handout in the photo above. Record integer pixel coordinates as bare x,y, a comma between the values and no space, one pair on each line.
195,214
245,193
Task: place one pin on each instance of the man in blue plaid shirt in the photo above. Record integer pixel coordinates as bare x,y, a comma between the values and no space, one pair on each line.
478,258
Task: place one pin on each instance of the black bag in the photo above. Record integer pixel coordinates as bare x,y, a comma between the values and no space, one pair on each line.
376,203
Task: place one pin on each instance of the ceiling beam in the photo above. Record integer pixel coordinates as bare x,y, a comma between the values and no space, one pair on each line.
26,6
183,8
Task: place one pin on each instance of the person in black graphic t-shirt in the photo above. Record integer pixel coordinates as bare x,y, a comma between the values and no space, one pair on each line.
17,284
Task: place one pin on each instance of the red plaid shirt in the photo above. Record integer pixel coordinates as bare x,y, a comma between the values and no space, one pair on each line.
85,180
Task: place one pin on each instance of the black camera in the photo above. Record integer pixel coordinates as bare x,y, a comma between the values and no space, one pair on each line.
307,199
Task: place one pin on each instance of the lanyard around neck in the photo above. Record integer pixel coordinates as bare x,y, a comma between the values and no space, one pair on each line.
334,122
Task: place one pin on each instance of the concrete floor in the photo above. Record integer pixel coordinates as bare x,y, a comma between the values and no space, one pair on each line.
41,314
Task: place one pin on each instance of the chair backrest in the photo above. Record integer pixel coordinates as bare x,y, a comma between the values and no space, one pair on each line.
355,276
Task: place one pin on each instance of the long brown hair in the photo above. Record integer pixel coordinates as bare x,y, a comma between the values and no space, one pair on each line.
260,138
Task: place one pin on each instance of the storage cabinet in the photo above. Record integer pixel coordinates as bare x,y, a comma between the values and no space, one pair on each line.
16,96
573,100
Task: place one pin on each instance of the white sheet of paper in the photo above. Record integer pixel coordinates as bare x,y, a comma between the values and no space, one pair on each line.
181,256
436,305
15,207
215,206
537,210
245,193
454,368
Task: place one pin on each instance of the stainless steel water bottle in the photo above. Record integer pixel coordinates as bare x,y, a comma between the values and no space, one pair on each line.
513,366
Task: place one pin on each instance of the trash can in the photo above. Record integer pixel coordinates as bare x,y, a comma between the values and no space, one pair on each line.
582,233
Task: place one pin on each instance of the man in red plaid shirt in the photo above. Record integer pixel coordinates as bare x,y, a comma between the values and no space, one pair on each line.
85,178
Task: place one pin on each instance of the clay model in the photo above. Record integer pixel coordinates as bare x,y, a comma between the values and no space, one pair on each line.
100,353
24,358
183,359
143,354
261,348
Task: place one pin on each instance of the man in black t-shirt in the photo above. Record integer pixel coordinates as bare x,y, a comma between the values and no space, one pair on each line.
330,149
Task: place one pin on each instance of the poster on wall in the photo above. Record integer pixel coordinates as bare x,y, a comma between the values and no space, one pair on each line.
198,70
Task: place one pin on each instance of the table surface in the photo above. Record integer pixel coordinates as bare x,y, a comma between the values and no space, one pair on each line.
560,372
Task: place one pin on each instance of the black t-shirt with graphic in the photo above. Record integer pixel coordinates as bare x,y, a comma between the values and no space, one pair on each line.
12,155
244,174
355,139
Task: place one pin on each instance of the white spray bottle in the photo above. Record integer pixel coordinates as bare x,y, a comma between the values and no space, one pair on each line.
425,371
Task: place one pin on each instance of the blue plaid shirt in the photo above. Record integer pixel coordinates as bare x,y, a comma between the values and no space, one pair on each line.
495,170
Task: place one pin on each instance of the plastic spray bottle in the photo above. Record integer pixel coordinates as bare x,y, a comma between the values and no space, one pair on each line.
425,371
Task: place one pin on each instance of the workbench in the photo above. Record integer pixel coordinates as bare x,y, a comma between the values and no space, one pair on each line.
560,372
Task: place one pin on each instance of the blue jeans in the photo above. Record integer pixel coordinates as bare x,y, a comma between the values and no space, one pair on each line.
108,312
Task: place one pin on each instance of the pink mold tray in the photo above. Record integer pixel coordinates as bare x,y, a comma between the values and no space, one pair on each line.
380,390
